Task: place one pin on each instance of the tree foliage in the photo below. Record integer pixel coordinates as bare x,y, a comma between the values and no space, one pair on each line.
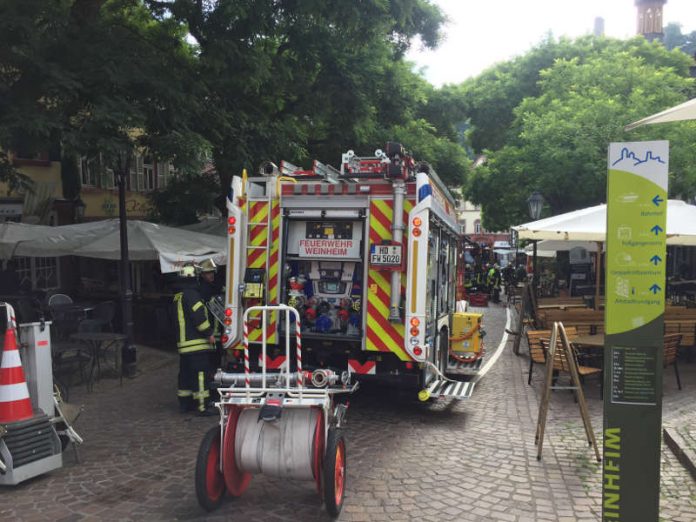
184,199
674,39
492,97
101,78
311,79
558,134
241,80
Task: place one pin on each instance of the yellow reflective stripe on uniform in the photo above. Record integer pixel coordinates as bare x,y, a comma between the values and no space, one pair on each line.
198,348
197,306
184,393
203,326
201,391
192,342
180,316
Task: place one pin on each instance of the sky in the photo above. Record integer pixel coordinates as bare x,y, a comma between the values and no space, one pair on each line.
481,33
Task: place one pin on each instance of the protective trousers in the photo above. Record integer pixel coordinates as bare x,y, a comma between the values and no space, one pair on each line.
194,375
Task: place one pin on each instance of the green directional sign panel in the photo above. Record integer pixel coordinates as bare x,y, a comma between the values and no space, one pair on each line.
634,312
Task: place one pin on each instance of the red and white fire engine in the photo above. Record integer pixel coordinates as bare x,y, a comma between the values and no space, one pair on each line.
370,255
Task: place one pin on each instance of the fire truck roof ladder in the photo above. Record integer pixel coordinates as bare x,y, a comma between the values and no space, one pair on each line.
251,225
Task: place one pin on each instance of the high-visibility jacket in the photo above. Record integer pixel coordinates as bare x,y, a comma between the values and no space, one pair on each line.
493,278
194,325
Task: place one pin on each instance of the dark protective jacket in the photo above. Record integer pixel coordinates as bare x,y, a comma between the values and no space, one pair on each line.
194,326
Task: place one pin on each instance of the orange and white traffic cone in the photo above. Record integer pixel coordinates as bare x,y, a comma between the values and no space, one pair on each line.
15,404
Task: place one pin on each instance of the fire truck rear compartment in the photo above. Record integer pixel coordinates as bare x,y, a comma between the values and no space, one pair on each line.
322,277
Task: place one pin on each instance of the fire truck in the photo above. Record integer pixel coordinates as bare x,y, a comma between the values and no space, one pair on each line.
370,256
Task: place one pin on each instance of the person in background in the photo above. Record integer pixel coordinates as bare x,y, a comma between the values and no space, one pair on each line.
494,281
195,343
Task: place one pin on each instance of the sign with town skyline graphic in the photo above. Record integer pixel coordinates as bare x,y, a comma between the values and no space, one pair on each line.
635,285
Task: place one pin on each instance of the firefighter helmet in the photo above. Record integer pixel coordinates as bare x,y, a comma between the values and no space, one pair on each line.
208,266
187,271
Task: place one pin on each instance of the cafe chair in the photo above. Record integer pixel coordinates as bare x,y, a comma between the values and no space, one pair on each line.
104,313
89,326
671,350
562,365
536,350
59,299
67,358
537,354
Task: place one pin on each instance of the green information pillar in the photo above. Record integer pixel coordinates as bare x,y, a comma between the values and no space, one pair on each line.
635,306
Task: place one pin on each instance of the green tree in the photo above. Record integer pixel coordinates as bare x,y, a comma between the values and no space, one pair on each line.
184,199
102,78
491,98
561,136
674,39
294,80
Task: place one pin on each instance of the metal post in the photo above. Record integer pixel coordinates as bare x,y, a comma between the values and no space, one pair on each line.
128,352
598,273
535,273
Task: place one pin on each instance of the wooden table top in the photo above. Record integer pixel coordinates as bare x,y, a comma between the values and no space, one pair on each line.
595,340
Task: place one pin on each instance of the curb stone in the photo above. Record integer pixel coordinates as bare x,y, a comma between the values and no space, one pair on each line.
684,454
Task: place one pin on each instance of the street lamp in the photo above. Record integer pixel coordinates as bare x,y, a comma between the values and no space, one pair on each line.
128,353
535,203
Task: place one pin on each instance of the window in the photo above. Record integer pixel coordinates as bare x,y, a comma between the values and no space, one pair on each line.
42,272
462,224
88,172
163,169
148,174
477,226
107,179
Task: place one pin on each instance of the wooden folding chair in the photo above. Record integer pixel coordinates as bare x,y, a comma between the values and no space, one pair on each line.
671,350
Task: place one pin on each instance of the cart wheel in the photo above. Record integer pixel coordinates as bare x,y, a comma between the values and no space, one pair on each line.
210,484
236,481
334,472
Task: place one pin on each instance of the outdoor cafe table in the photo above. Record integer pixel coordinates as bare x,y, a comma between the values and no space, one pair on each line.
97,342
591,341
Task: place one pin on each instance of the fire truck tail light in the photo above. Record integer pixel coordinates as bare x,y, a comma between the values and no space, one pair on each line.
231,220
228,312
231,230
409,365
228,322
413,341
415,321
415,331
224,339
418,351
417,222
417,232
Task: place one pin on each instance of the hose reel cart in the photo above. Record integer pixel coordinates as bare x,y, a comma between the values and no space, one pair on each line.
285,424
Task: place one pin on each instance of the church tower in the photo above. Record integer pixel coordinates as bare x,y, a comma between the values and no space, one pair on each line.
650,19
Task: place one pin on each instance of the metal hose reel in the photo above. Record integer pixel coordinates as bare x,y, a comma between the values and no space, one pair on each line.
281,448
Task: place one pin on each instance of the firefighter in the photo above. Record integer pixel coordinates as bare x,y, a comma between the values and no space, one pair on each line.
493,280
195,343
209,289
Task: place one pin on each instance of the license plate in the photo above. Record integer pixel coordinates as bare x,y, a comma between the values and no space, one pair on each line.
385,255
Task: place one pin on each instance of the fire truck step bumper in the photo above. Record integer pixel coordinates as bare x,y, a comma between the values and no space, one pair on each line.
455,390
459,368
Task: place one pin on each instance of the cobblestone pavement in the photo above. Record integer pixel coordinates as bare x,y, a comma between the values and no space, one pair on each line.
470,460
